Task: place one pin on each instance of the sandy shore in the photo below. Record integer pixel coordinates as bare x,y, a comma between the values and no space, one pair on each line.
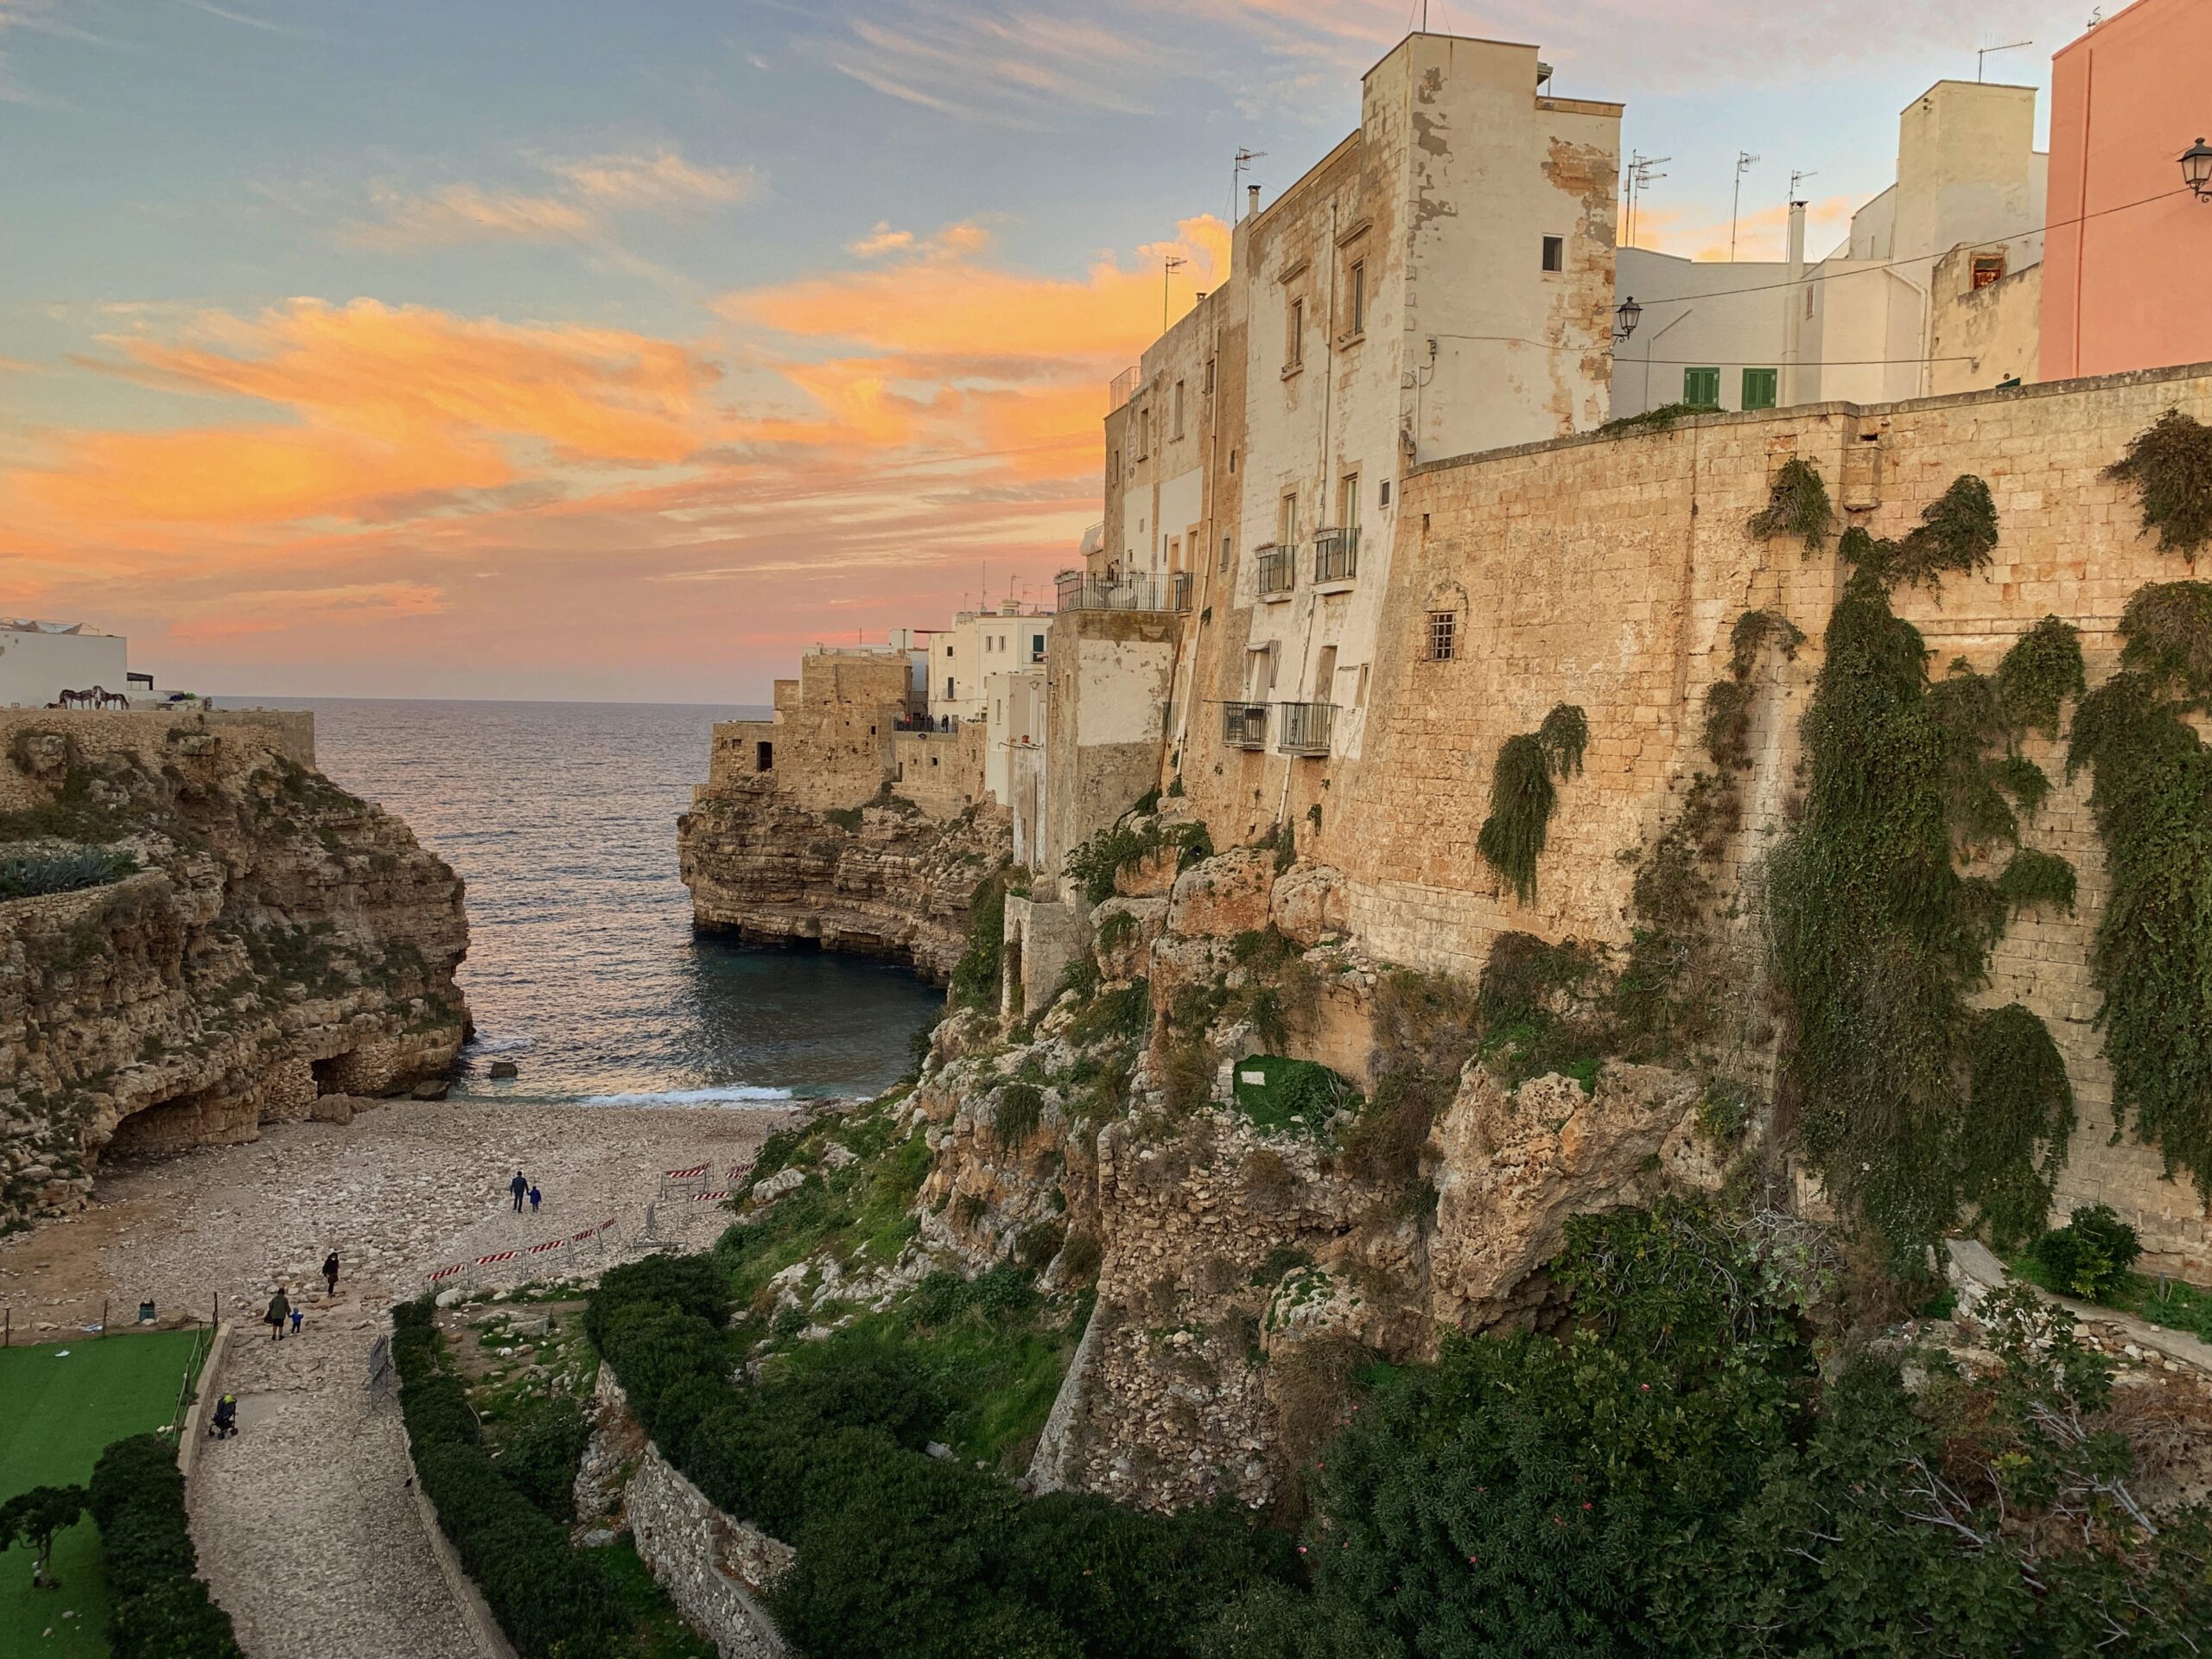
306,1524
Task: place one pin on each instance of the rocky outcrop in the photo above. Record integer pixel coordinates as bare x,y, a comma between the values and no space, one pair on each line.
263,940
883,880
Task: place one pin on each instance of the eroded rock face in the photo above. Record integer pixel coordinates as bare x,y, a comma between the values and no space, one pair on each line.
1225,896
283,942
1308,902
896,884
1512,1166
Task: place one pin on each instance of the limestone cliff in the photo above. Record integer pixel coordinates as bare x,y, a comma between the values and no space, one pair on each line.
883,880
235,936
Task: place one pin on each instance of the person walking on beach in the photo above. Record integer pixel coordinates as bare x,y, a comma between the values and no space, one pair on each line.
535,1195
279,1308
520,1187
330,1272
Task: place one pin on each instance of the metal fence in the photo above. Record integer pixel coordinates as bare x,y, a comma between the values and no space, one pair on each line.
1245,725
1134,593
1336,553
1305,728
1278,570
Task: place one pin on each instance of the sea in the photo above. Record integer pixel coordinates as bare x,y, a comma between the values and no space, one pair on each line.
582,968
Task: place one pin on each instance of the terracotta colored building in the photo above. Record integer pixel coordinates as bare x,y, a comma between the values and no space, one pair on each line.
2125,286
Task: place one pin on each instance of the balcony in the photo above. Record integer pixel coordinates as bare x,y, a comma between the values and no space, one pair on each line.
1336,554
1305,728
1278,571
1178,589
1245,725
1125,383
1079,592
945,724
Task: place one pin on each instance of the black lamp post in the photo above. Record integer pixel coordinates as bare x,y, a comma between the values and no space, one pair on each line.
2197,170
1628,313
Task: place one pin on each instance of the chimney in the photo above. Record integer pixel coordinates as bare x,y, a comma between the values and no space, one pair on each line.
1251,200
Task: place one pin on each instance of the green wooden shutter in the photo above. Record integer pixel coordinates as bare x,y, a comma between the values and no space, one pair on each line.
1759,386
1702,387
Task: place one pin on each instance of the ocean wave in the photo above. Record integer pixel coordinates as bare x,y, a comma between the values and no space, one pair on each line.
481,1044
740,1094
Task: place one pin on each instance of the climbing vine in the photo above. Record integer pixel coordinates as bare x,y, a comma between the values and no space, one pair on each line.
1797,505
2150,795
1908,1104
1523,797
2170,463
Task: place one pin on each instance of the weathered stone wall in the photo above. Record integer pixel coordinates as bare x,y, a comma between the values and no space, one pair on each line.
941,773
1109,676
283,941
1608,572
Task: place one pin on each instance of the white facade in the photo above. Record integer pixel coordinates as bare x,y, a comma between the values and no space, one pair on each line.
1441,281
1014,721
41,660
1861,325
978,644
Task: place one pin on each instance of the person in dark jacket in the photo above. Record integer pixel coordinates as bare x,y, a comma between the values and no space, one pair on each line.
279,1308
520,1187
330,1271
226,1418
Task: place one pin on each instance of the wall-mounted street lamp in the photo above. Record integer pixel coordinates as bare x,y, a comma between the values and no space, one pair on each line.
2197,170
1626,316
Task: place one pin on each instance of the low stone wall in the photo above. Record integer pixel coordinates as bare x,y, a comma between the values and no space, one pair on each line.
483,1630
208,1386
1049,1464
710,1566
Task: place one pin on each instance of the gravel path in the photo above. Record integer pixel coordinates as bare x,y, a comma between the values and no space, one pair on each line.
307,1530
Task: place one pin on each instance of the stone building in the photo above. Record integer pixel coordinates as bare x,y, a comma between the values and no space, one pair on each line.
830,741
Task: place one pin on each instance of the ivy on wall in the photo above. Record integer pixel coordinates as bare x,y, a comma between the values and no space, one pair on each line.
1797,505
1523,797
2170,463
1900,1090
2151,794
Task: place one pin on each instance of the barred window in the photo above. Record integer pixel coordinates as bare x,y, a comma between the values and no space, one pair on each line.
1443,636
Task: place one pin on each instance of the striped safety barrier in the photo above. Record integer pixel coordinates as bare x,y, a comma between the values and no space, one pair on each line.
706,1197
550,1245
691,1175
447,1272
504,1256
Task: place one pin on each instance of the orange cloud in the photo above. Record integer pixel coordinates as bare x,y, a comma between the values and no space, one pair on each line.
384,401
587,192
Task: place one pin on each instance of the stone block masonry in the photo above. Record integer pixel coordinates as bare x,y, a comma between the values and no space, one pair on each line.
1608,571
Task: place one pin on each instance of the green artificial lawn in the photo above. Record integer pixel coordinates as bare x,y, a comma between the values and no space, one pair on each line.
60,1404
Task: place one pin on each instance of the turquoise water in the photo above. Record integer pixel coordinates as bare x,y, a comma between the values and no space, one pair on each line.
582,965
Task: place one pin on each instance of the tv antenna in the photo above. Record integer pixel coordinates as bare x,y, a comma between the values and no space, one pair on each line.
1245,159
1796,176
1172,262
1988,51
1641,178
1744,162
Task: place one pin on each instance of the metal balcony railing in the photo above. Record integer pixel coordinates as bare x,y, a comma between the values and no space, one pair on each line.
1179,588
1124,383
1278,570
943,723
1305,728
1336,553
1078,592
1245,725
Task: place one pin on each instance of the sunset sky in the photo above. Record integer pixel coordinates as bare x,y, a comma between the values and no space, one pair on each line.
618,350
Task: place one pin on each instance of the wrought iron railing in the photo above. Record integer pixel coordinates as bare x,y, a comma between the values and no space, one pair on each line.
1245,725
1278,570
1336,553
1136,593
1304,728
1179,588
926,724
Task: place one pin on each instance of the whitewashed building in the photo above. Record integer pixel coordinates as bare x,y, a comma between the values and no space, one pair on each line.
1935,288
41,660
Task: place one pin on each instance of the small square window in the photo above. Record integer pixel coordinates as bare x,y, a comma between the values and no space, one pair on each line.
1443,636
1759,388
1702,388
1988,267
1386,493
1554,253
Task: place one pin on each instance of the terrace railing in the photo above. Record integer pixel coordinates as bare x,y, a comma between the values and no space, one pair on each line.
1278,571
1305,728
1245,725
1336,553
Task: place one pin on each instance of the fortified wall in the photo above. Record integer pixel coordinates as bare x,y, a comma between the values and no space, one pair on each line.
1609,571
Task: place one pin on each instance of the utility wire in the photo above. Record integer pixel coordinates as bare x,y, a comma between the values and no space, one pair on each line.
1697,362
1868,270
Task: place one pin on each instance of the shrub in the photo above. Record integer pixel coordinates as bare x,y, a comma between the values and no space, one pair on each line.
1522,799
70,872
2170,463
1291,1093
552,1601
158,1608
1797,505
1020,1109
1081,1255
976,976
2091,1255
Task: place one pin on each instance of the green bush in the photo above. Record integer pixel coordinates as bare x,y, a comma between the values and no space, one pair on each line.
91,866
2090,1255
1019,1109
1291,1094
553,1601
158,1607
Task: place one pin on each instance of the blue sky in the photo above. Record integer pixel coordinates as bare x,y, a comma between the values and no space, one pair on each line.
573,243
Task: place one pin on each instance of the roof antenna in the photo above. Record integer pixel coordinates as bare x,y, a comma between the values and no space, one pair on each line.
1987,52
